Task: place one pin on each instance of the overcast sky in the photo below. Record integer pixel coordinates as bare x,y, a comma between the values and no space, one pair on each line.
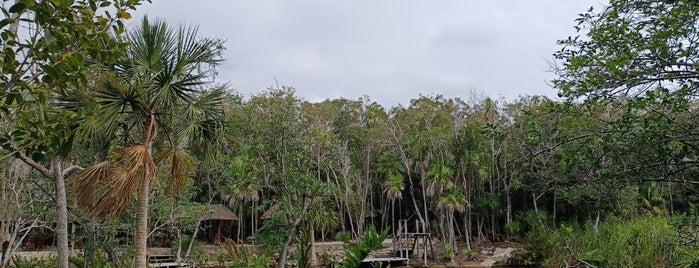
389,50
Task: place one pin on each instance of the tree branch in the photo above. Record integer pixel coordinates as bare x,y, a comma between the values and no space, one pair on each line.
69,169
39,167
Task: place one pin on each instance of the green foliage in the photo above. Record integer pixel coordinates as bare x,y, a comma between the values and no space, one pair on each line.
21,262
628,47
240,257
255,260
447,252
514,228
303,248
269,236
183,242
97,260
357,251
649,241
60,43
343,236
470,254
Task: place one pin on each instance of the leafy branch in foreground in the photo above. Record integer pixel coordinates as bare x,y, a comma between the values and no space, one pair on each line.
368,241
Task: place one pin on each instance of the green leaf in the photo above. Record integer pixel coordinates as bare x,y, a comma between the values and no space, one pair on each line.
27,96
18,7
5,22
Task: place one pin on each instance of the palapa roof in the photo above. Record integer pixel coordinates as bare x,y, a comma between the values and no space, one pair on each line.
219,212
210,212
268,214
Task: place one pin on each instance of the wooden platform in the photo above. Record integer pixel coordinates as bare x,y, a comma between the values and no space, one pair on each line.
169,264
165,261
383,262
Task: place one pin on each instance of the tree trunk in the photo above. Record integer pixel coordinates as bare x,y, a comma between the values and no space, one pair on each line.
290,236
55,173
406,164
452,242
508,201
467,231
467,215
141,236
240,216
442,225
536,208
61,213
191,240
141,232
314,256
178,252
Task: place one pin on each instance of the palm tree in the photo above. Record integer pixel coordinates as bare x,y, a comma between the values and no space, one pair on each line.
243,191
393,188
384,166
320,216
438,179
453,200
157,97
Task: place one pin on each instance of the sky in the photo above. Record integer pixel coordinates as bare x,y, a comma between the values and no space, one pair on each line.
389,50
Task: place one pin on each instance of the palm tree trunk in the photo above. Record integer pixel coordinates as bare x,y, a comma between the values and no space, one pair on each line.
141,235
452,242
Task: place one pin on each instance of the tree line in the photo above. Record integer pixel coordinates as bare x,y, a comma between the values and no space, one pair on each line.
125,128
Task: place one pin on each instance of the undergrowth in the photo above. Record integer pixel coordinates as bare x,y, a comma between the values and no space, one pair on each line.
647,241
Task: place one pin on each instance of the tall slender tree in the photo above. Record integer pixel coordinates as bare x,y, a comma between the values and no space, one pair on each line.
47,49
153,104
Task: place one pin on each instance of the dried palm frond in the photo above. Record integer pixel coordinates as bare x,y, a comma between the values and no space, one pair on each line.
107,188
84,183
181,166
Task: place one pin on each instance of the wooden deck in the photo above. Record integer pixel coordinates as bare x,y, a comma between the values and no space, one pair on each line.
165,261
383,262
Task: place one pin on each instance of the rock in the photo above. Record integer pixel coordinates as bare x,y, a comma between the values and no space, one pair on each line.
501,257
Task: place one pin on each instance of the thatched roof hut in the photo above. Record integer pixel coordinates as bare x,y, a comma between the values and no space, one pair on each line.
219,212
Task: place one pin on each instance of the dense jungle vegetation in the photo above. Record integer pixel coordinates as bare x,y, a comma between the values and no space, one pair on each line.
116,131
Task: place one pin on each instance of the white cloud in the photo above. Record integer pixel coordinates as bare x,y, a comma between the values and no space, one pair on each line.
390,50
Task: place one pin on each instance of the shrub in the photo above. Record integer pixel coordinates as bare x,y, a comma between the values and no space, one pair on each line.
367,241
22,262
343,236
649,241
513,228
447,253
469,254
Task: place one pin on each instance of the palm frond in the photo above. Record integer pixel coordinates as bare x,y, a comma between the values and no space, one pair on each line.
194,51
181,165
171,90
151,43
85,183
207,105
120,187
107,188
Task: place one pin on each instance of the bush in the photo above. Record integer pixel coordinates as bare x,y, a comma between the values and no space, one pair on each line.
343,236
22,262
649,241
447,253
469,254
513,228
